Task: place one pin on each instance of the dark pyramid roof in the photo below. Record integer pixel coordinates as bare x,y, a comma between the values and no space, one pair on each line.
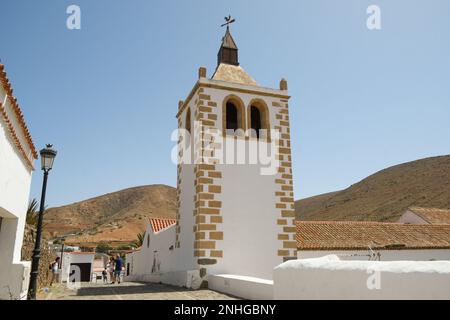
228,41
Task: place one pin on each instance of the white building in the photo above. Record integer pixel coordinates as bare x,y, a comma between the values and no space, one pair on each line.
17,154
79,265
418,215
330,277
357,240
366,260
235,216
156,250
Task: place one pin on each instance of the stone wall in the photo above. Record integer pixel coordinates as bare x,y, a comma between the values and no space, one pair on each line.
47,256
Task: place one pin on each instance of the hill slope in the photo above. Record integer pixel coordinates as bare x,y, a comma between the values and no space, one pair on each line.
385,195
117,216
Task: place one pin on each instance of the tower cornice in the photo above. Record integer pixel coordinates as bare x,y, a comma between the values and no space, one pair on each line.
233,87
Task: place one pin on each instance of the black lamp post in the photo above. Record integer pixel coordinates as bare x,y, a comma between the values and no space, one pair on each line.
48,155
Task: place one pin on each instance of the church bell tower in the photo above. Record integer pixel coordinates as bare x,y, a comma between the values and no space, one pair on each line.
235,205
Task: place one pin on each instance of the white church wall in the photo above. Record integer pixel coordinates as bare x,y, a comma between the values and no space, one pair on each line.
385,255
249,223
183,258
15,180
248,199
161,251
331,278
156,254
185,254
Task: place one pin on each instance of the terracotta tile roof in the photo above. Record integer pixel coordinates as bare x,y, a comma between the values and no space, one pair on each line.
159,224
20,119
347,235
231,73
432,215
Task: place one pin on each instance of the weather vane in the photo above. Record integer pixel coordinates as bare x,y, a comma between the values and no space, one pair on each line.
229,21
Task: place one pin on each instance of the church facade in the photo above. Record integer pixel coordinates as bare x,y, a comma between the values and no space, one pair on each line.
234,178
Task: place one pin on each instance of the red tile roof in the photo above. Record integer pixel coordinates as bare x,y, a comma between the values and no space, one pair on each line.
432,215
20,118
351,235
159,224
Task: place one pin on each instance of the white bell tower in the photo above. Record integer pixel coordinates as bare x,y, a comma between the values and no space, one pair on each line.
235,200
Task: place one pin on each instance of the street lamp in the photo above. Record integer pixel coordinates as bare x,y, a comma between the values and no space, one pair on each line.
48,155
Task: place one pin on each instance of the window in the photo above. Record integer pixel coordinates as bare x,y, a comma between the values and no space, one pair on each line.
258,120
231,116
255,120
148,241
188,120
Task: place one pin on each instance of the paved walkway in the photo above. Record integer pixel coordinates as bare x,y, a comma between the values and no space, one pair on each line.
128,291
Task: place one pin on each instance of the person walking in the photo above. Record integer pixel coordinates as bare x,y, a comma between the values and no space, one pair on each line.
117,269
110,267
54,267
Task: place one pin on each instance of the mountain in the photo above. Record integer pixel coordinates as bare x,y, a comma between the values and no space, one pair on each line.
119,216
113,217
385,195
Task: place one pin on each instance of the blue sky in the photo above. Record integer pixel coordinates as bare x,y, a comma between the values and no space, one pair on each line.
106,95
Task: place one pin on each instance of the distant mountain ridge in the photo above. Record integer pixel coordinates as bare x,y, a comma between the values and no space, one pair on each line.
114,217
385,195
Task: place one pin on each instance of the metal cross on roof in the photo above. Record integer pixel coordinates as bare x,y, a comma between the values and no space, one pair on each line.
229,21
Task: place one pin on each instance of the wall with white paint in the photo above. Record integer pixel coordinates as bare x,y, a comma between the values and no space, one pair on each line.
385,255
15,180
75,257
248,201
241,286
156,254
185,254
331,278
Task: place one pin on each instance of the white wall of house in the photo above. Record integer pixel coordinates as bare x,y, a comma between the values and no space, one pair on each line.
69,258
331,278
15,180
385,255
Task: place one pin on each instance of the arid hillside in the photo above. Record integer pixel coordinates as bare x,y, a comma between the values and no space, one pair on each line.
385,195
119,216
113,217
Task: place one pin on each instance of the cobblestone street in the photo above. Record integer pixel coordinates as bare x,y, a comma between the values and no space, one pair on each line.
129,291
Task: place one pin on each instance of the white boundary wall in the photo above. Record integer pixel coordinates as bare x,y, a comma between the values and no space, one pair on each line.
331,278
385,255
241,286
